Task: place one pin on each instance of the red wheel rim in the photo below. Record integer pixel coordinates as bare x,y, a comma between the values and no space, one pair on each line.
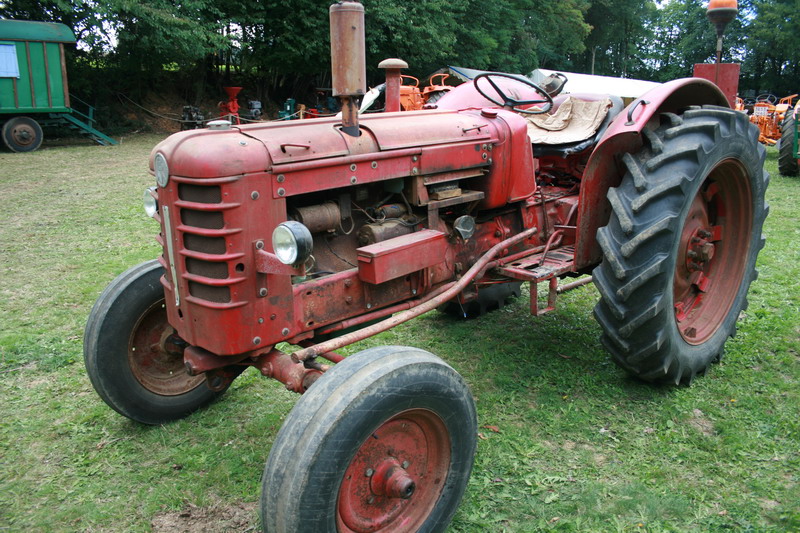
157,368
713,252
397,475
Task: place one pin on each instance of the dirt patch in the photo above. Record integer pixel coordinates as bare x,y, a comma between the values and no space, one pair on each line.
701,423
239,517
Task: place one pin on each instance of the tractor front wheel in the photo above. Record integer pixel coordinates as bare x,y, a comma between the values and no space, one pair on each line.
132,357
788,164
382,443
22,134
680,249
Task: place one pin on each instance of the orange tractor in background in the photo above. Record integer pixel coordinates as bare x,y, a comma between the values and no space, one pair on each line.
412,99
768,115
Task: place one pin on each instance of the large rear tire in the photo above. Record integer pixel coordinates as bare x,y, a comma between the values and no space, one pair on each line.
129,356
787,160
382,443
680,248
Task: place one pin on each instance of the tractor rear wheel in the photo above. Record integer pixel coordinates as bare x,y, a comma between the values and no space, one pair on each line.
787,160
680,248
382,443
130,356
22,134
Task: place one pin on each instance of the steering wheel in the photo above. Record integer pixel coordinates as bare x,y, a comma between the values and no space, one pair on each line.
513,103
767,97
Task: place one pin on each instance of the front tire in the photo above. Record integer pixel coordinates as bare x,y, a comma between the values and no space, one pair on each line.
787,160
680,248
128,355
382,443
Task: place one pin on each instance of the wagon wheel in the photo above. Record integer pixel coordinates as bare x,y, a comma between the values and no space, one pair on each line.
680,248
787,159
22,134
133,360
382,443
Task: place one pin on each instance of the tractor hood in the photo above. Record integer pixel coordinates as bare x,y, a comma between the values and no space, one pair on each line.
253,148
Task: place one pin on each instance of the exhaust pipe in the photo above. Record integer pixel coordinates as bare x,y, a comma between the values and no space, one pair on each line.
348,61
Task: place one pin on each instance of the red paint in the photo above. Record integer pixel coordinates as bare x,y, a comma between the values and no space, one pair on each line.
724,75
396,476
711,252
402,255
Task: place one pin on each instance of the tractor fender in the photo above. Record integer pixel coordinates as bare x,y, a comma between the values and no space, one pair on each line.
624,135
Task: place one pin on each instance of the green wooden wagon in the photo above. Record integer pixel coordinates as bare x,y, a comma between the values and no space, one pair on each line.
33,85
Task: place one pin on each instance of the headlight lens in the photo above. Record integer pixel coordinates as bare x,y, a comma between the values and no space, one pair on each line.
292,242
150,203
162,170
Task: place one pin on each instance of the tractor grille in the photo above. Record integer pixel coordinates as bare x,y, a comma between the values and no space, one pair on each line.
209,248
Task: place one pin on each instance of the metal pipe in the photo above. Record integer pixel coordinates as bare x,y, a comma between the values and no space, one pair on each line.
380,313
573,285
393,67
474,272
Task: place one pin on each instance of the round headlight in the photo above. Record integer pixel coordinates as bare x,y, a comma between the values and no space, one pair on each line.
150,203
162,170
292,242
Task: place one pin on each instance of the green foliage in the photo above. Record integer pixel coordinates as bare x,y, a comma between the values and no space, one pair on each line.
280,49
773,61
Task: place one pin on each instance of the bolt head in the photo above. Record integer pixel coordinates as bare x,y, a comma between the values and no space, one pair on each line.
256,340
369,472
262,292
285,331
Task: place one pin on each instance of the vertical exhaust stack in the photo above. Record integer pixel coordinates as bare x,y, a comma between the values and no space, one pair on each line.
348,61
721,13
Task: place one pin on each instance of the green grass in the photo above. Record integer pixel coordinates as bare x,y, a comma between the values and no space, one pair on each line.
580,446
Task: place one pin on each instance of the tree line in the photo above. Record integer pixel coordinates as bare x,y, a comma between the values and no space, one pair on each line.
280,48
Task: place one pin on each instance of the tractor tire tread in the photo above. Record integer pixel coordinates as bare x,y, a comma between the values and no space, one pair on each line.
634,310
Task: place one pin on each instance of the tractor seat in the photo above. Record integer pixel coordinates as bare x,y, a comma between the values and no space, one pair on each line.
577,123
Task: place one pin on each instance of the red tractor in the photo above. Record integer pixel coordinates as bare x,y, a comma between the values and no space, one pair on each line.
322,233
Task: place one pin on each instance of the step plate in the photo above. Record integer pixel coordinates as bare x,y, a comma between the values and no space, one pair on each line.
557,262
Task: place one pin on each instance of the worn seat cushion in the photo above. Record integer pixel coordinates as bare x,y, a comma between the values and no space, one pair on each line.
575,120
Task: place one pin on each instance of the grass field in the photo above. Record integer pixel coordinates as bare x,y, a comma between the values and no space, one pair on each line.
567,442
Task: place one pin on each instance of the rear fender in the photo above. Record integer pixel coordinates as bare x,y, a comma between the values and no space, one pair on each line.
605,169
